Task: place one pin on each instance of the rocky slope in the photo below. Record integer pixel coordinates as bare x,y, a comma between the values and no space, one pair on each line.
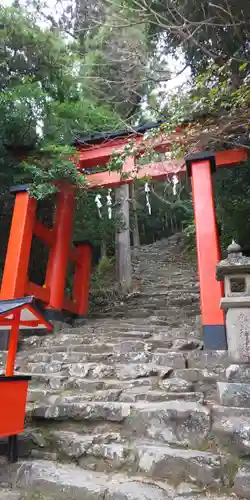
123,407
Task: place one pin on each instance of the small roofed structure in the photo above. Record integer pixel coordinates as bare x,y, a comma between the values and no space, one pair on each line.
24,312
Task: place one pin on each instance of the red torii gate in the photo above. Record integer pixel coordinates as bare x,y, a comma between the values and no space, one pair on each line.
97,152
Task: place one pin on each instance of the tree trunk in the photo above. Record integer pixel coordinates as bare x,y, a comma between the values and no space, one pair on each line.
103,249
123,250
136,235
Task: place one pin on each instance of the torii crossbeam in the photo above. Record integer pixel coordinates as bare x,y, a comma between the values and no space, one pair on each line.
97,152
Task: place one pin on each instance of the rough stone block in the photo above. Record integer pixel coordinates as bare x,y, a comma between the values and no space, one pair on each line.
128,346
233,434
140,394
136,490
103,395
133,371
60,481
173,422
175,384
131,357
191,375
42,367
162,462
205,375
207,359
234,394
242,482
171,359
83,411
238,373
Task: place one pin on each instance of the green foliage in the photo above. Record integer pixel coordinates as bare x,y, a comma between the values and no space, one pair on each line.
205,32
232,189
43,104
54,166
28,52
116,62
104,274
170,213
89,226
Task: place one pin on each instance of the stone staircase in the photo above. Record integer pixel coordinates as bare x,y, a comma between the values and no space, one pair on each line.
124,407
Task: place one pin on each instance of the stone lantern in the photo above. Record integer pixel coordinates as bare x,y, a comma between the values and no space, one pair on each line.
235,272
231,425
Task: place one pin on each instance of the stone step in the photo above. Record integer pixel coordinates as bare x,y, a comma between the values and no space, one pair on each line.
172,319
128,351
179,423
108,452
219,412
109,325
70,340
181,380
144,313
60,382
130,395
81,361
161,274
117,347
164,299
118,371
55,382
123,329
208,359
191,378
167,287
199,375
107,344
60,352
164,282
65,357
165,291
51,481
137,394
168,297
123,323
109,322
80,338
46,480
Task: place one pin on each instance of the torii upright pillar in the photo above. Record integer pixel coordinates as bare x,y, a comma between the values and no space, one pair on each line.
59,255
14,279
200,167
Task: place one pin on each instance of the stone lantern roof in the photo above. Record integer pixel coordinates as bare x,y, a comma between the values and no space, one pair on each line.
235,263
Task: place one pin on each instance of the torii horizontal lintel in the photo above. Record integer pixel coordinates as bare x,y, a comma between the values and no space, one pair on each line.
159,170
93,155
